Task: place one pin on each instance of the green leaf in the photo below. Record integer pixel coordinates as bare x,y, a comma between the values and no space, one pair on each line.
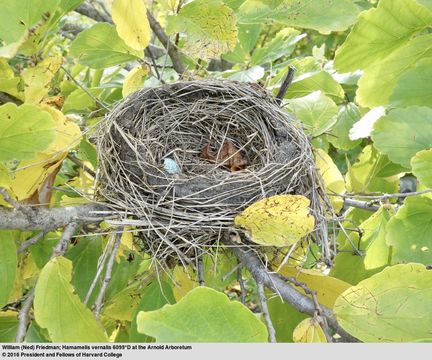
409,232
210,27
284,317
79,101
391,306
316,111
372,173
8,265
85,256
156,295
24,130
378,82
283,44
122,304
347,116
247,39
322,15
203,315
421,165
373,239
379,32
100,47
18,16
414,87
279,220
403,132
59,310
313,81
8,329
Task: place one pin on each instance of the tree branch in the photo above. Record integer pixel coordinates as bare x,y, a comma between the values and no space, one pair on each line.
47,219
300,301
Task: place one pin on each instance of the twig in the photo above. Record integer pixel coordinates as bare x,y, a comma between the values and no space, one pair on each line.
383,196
83,88
265,312
242,285
78,162
23,317
300,301
33,240
361,205
100,267
107,278
285,85
200,269
172,50
320,316
61,247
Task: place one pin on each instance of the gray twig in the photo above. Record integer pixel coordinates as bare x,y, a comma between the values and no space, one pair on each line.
265,312
33,240
285,85
23,317
242,285
300,301
62,245
107,278
78,162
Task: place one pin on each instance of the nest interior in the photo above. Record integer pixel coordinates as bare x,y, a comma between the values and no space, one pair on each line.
184,159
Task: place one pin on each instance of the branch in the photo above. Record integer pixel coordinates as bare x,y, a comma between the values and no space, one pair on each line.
47,219
361,205
172,50
265,312
23,317
300,301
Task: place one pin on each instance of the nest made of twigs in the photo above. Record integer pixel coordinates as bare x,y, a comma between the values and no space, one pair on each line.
230,143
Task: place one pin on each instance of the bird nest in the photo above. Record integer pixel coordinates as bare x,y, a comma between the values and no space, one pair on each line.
184,159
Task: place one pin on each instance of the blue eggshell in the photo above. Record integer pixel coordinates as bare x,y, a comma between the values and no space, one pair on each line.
171,166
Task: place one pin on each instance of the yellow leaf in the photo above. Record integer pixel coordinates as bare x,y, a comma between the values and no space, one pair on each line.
309,331
31,174
332,177
182,282
134,80
8,81
130,17
38,78
280,220
326,287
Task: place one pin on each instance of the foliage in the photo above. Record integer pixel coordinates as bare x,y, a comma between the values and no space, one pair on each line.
362,91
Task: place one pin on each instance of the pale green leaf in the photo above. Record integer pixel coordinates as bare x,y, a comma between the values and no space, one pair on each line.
210,27
347,116
8,329
391,306
313,81
279,220
409,232
8,265
421,165
59,310
282,44
155,295
414,87
130,18
381,31
18,16
24,130
316,111
372,172
203,315
378,82
100,47
247,39
403,132
322,15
